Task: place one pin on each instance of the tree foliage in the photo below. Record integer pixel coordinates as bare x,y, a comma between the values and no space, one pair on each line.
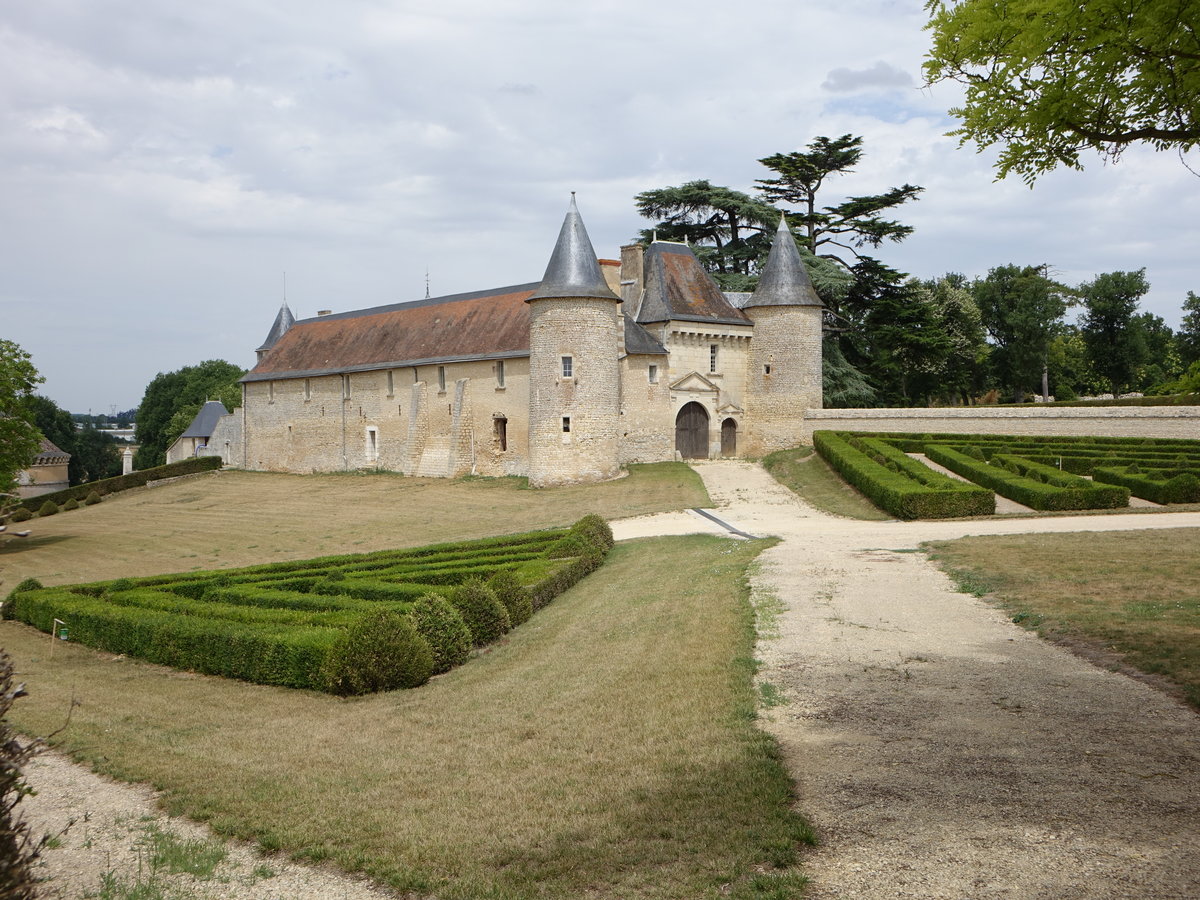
1021,309
1117,344
19,437
183,390
1189,329
854,223
1048,79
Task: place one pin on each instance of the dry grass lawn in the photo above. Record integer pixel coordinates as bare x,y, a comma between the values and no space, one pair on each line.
606,748
804,472
1121,597
230,518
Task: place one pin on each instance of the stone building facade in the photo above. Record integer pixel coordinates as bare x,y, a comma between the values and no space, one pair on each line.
600,364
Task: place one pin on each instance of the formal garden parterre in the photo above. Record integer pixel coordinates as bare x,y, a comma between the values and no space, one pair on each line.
349,624
1044,473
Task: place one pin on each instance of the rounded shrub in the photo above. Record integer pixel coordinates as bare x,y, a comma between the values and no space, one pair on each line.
974,452
92,499
444,630
49,508
21,514
381,652
71,504
1133,469
596,529
484,614
1183,488
572,544
515,596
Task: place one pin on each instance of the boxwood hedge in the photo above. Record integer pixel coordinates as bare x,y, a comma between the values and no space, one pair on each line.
348,624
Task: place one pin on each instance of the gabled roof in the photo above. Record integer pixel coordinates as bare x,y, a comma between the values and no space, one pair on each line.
50,454
784,280
639,341
283,321
677,287
206,420
490,324
573,270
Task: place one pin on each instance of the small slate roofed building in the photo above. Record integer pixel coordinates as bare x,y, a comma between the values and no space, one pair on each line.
196,437
599,364
46,474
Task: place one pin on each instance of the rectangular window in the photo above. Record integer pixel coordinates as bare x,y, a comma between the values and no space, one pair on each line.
345,387
500,374
372,445
270,392
566,424
307,388
442,378
391,383
500,425
654,374
767,369
568,367
712,357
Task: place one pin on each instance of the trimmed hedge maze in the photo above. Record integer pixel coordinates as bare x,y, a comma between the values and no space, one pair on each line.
342,624
1044,473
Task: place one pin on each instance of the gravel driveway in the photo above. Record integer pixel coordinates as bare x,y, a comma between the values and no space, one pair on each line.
940,750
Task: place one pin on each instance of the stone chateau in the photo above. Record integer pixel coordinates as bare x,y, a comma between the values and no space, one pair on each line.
600,364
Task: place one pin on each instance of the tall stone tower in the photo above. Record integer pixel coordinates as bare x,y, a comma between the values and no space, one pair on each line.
575,332
784,363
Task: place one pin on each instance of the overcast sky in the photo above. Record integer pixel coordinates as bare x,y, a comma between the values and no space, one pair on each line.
163,164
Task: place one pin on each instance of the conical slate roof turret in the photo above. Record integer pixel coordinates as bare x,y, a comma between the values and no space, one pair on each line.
784,280
283,321
573,270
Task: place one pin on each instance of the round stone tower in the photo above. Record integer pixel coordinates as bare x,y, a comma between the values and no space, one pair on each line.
784,363
575,333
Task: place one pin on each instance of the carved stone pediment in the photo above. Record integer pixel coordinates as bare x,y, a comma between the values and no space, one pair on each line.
695,383
730,409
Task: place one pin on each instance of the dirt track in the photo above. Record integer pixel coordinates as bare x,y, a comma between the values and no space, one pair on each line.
940,750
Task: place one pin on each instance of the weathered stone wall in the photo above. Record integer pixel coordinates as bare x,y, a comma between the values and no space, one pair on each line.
368,420
1105,421
787,339
647,427
226,440
589,331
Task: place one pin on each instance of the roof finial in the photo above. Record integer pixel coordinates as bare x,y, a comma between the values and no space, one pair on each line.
427,281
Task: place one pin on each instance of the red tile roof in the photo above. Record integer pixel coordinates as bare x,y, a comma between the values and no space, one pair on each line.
480,325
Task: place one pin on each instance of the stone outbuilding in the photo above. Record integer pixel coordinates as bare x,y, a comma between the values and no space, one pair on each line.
599,364
46,474
195,438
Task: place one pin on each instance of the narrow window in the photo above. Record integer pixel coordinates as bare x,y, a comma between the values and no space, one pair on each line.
654,374
345,387
568,366
500,375
372,444
712,357
566,424
500,426
391,383
442,378
307,389
270,392
767,369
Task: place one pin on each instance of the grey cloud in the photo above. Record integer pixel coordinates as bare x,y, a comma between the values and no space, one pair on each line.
880,75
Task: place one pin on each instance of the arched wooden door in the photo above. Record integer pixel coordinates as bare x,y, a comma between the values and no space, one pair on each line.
691,431
729,438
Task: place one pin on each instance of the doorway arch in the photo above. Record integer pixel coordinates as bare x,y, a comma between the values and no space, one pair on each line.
729,438
691,431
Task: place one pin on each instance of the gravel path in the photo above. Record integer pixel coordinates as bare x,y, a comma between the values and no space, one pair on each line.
940,750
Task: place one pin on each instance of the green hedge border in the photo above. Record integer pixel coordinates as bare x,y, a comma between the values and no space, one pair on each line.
114,485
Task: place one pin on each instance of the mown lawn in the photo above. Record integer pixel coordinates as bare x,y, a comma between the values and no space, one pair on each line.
1132,597
606,748
231,518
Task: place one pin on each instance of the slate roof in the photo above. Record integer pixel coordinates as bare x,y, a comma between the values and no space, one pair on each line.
784,280
677,287
283,321
573,270
491,324
50,454
206,420
639,341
